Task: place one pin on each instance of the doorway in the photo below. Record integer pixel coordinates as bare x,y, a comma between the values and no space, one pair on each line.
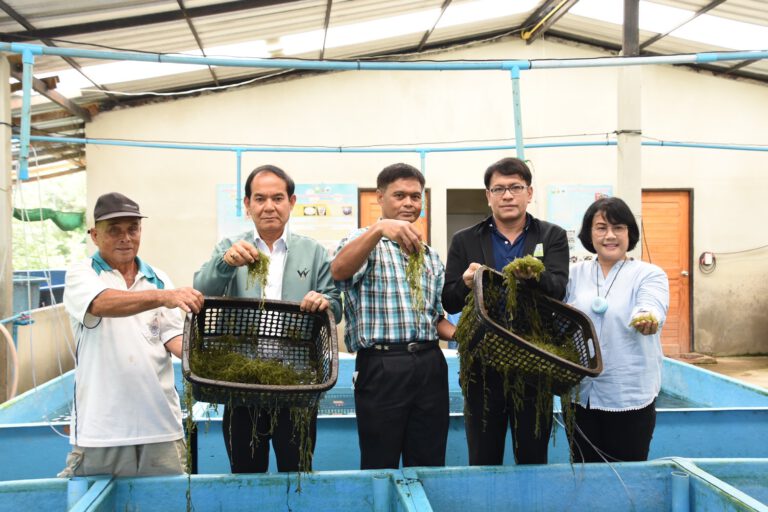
370,212
666,242
464,208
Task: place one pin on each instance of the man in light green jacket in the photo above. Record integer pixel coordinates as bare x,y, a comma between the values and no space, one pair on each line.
299,270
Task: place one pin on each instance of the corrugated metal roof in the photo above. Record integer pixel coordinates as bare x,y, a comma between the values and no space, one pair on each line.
161,27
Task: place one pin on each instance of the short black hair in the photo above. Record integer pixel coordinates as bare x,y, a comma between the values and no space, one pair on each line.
615,211
289,184
399,171
509,166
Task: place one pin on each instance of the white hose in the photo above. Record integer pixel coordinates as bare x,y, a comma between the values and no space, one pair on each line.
14,361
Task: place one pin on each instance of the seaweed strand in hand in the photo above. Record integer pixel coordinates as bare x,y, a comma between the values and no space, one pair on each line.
414,271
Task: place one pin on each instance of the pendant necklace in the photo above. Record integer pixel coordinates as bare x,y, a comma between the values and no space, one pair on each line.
600,304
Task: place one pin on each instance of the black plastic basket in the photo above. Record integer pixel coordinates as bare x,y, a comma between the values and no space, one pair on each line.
271,330
498,345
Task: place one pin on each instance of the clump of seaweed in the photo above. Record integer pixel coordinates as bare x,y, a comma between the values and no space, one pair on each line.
414,272
257,273
526,265
221,362
645,317
521,318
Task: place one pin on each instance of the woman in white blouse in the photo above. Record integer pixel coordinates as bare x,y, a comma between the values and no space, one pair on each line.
627,301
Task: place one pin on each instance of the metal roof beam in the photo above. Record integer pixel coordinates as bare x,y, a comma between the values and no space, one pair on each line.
544,17
428,33
21,20
711,5
65,103
199,42
140,21
325,26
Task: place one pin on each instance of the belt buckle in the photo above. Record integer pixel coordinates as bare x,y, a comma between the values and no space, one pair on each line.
413,347
381,347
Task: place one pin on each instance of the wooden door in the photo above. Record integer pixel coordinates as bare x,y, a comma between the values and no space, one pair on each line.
370,211
666,223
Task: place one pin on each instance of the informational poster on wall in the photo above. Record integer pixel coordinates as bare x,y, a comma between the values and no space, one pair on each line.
326,212
228,223
566,205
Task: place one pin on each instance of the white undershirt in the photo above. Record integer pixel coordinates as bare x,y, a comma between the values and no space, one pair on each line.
274,288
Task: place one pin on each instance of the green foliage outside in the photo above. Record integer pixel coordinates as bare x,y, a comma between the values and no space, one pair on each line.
42,245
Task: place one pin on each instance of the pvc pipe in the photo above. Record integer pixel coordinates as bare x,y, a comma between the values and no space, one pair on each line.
14,361
519,145
238,198
270,63
77,486
387,65
381,492
681,492
28,61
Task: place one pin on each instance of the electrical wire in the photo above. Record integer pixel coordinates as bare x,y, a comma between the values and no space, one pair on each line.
603,455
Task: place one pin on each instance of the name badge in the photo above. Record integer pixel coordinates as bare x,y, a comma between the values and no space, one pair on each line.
538,252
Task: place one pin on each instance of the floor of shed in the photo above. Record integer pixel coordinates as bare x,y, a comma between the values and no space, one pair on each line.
750,369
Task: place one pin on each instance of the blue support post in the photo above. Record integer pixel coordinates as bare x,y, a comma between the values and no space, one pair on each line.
423,156
519,145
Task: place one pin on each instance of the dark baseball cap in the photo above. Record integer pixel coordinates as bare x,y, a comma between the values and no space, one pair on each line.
113,205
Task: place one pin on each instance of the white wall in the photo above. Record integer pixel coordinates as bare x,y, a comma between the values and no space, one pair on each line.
177,188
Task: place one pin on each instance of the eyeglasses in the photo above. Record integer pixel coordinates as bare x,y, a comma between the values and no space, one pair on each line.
602,229
512,189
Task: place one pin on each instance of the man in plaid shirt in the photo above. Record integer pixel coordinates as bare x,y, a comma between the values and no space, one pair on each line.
401,377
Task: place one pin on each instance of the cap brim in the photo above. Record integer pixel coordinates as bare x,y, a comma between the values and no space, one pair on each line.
120,214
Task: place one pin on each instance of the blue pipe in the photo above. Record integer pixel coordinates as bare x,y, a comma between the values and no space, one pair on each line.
423,159
400,66
681,493
28,61
408,149
238,197
519,145
272,63
11,318
382,501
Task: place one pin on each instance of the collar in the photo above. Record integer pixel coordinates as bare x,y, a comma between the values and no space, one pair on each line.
99,265
285,237
528,218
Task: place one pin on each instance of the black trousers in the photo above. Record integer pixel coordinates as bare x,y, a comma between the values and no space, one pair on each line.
250,454
401,399
488,414
621,436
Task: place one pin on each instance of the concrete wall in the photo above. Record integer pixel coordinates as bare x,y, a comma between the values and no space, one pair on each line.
177,188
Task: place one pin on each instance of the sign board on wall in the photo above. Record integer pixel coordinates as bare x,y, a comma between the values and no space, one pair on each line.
566,205
326,212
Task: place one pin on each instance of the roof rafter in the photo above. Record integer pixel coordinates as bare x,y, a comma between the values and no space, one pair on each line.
711,5
21,20
326,23
544,17
197,38
141,20
428,33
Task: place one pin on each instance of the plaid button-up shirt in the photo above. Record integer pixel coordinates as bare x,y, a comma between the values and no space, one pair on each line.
377,299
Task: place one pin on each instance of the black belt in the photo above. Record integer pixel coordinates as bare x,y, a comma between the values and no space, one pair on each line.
414,346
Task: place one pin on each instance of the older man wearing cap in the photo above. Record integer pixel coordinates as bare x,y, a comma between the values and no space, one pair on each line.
126,418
